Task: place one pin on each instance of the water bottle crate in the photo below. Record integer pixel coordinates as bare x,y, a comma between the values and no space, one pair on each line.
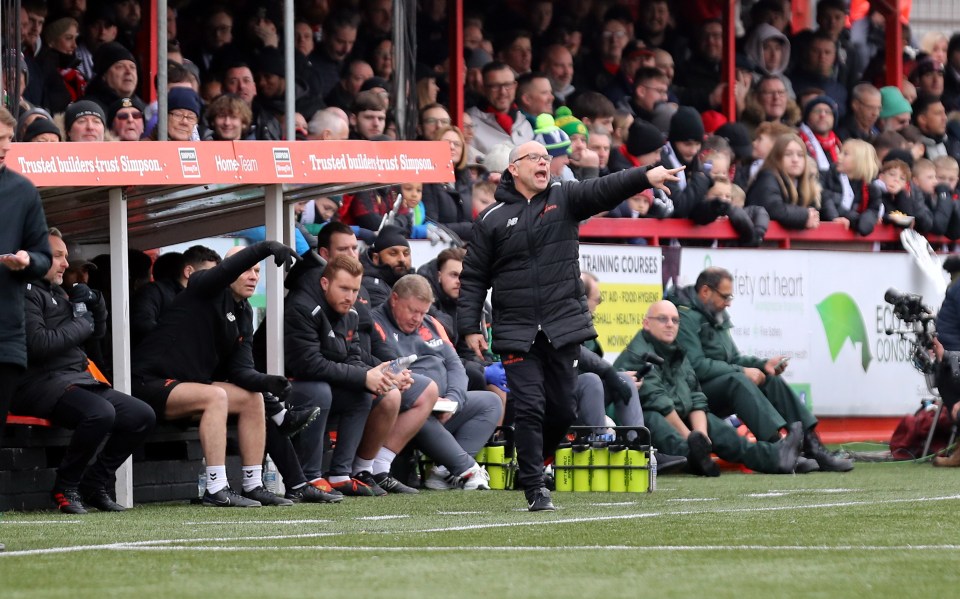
619,462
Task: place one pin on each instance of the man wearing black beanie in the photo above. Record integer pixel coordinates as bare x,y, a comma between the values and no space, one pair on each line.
682,149
384,263
116,75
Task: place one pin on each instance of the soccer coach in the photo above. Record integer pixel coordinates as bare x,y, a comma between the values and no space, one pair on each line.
526,246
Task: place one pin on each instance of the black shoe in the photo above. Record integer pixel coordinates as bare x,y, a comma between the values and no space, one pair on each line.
538,500
295,420
392,485
699,459
829,462
68,501
789,449
265,497
101,500
805,465
666,463
367,479
227,497
310,494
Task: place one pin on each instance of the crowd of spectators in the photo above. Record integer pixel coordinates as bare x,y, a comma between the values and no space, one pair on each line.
624,84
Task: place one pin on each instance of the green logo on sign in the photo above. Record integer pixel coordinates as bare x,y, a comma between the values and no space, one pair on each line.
843,322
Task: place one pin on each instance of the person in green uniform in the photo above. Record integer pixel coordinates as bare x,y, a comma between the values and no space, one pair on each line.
747,386
675,409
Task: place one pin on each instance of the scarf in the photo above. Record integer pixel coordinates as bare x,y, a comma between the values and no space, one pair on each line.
503,119
846,193
671,157
824,148
634,161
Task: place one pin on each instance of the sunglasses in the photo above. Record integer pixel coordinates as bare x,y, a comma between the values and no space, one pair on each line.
126,116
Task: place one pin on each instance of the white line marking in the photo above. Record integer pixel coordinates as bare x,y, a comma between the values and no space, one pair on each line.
41,521
692,499
256,522
387,517
544,522
513,548
461,513
614,504
769,494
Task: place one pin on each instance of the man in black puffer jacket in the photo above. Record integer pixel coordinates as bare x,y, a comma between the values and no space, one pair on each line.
526,247
58,386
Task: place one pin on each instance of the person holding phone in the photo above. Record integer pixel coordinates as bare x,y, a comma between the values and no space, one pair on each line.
748,386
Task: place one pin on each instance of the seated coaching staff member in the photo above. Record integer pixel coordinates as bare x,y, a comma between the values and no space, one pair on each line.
198,363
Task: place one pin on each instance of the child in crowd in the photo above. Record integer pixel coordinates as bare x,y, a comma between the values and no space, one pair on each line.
948,172
483,196
764,137
622,121
411,217
848,186
893,178
937,198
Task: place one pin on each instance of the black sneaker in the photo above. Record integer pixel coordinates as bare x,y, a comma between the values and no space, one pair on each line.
538,500
310,494
666,463
227,497
265,497
699,459
295,420
392,485
68,501
101,500
367,479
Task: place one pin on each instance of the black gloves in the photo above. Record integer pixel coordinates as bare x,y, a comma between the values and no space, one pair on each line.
618,388
82,294
281,253
278,386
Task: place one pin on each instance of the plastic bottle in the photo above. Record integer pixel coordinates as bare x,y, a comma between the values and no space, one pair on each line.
653,469
562,462
202,478
400,364
271,476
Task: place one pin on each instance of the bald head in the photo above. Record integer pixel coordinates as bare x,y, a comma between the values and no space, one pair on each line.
662,321
530,167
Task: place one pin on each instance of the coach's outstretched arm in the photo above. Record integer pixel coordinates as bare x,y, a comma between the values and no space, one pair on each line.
224,274
590,197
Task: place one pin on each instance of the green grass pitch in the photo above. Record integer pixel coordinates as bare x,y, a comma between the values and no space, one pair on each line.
883,530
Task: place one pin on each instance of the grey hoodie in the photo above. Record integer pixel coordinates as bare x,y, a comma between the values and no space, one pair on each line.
436,358
754,49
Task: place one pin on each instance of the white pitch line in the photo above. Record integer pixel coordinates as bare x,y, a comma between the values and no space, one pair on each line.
512,548
386,517
545,522
691,499
461,513
41,521
613,504
768,494
257,522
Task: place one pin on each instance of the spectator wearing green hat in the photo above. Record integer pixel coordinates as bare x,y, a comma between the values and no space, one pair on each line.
584,163
557,143
895,111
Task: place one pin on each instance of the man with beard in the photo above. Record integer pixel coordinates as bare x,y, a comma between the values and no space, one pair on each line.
383,265
747,386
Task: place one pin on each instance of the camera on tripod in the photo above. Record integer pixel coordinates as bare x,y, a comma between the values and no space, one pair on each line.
921,331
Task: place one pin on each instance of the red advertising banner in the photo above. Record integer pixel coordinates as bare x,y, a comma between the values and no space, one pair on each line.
121,164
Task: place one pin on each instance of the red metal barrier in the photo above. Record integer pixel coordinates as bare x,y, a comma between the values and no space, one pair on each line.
677,228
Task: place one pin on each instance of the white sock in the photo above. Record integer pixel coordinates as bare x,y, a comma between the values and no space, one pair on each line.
216,478
279,416
360,464
383,460
252,477
338,479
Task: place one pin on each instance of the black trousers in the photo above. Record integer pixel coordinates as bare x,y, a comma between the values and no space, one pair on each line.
95,413
541,383
9,375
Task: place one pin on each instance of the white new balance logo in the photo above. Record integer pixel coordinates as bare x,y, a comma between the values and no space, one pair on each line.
512,221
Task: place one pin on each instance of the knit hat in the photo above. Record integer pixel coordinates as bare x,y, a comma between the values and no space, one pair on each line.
570,124
643,138
82,108
926,65
686,125
893,102
553,138
183,98
739,138
375,82
108,55
712,120
809,106
22,120
120,104
898,154
271,62
478,59
40,126
389,236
